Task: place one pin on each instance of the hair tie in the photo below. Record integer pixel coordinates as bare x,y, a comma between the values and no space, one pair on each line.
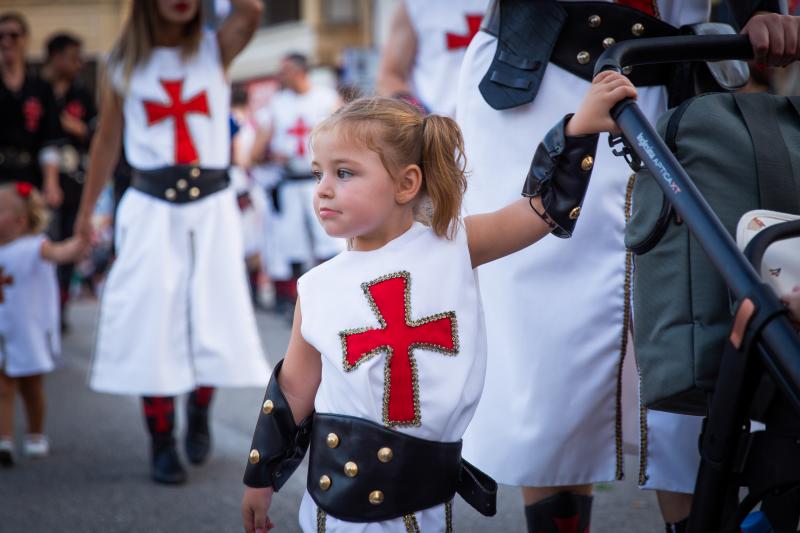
24,189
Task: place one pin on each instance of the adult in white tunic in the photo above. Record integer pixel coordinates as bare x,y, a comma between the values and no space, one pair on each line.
557,314
423,52
284,129
175,314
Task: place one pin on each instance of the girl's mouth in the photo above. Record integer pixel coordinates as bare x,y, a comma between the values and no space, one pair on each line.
324,212
181,7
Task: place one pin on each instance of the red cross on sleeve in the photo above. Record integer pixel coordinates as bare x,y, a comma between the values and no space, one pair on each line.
4,280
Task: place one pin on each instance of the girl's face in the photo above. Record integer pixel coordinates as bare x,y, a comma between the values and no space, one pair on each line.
355,197
12,220
177,11
13,42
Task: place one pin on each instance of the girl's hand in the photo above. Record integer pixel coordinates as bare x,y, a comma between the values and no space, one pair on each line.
607,89
255,504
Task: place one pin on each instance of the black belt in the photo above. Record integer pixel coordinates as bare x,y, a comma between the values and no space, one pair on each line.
591,27
14,157
360,471
180,184
298,177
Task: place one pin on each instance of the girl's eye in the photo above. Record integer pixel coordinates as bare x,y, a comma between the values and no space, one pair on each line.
344,174
317,174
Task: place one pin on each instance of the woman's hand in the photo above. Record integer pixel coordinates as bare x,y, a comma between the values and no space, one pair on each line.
594,116
255,505
775,38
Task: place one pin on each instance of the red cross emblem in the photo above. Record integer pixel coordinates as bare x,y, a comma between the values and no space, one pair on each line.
4,280
185,151
300,130
160,408
389,298
567,525
32,110
645,6
455,41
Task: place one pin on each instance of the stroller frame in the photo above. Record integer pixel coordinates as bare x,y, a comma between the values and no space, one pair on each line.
760,369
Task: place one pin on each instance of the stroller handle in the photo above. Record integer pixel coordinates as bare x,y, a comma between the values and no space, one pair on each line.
673,50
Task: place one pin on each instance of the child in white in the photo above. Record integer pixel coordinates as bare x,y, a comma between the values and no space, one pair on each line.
391,331
29,321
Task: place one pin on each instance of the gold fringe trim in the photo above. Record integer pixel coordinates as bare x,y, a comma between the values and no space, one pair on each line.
448,517
412,526
321,517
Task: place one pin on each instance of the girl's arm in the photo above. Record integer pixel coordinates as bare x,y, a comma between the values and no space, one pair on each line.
299,380
238,28
559,173
103,156
66,251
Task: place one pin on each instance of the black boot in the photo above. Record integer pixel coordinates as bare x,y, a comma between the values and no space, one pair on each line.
167,468
159,413
198,433
564,512
678,527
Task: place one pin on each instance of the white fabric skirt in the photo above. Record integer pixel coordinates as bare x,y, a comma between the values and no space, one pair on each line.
175,312
549,414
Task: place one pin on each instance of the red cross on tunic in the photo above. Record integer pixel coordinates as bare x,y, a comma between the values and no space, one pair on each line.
161,409
455,41
185,152
568,525
300,130
4,280
390,299
645,6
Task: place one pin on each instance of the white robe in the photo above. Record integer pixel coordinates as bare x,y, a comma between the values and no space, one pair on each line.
554,312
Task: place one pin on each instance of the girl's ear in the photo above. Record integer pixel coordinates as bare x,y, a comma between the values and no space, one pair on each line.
407,186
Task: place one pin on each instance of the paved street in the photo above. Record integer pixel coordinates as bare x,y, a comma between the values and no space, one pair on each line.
96,479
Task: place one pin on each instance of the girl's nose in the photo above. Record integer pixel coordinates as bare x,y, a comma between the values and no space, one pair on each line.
325,187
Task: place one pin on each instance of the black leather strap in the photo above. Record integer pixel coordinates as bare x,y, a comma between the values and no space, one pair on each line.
360,471
559,174
776,182
180,184
279,444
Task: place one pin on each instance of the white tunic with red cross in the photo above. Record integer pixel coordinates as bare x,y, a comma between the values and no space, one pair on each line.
29,327
176,110
444,29
401,334
555,311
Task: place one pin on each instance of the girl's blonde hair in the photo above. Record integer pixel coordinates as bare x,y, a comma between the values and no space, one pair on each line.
138,37
402,136
31,204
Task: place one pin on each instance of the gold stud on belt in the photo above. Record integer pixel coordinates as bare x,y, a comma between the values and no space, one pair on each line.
195,172
637,29
376,497
332,440
324,482
595,21
350,469
575,213
181,184
255,457
267,407
608,42
587,162
194,192
584,57
170,194
385,455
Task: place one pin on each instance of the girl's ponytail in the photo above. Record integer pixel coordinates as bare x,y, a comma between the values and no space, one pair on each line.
443,168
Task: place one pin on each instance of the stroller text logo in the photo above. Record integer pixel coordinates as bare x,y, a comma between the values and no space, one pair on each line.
645,145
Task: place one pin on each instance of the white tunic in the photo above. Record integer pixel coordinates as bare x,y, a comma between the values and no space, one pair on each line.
554,311
177,110
29,322
442,308
291,116
444,29
176,311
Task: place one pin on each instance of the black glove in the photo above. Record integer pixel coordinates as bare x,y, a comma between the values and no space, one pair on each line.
559,174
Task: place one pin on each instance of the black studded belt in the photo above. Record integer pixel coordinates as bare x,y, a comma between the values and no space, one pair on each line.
360,471
180,184
591,27
12,157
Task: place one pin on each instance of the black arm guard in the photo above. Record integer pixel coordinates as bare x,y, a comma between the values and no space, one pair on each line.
278,443
560,174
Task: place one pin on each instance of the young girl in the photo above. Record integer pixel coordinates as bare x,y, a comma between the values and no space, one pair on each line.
175,315
29,322
388,343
